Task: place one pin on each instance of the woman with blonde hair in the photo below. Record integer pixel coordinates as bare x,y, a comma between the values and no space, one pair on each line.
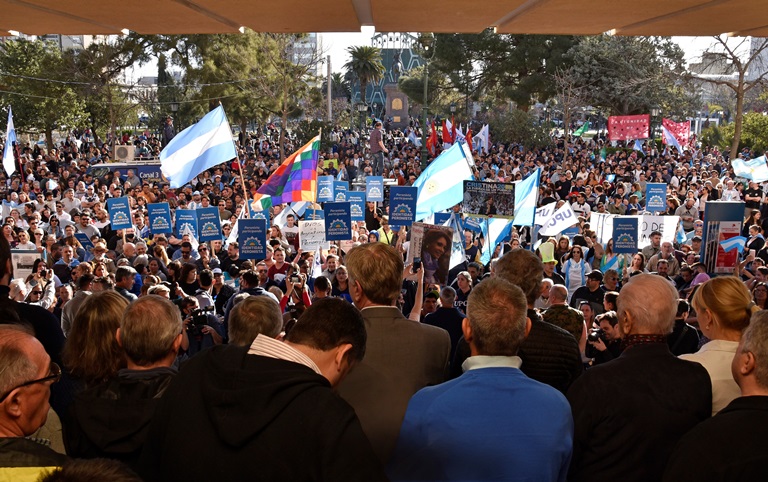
723,308
91,352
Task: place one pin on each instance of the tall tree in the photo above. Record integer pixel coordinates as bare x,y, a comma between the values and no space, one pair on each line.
749,70
365,64
33,82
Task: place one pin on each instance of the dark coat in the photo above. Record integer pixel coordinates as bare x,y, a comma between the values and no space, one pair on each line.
629,413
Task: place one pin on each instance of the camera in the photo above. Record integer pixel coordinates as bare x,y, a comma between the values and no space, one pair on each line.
44,273
295,278
595,335
416,264
200,316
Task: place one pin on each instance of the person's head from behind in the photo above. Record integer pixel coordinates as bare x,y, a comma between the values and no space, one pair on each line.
322,287
750,364
91,470
523,269
255,315
332,333
723,306
375,274
150,332
91,351
647,306
496,322
25,382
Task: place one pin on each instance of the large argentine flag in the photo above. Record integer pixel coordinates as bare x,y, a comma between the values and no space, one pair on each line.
9,162
671,140
526,199
197,148
441,185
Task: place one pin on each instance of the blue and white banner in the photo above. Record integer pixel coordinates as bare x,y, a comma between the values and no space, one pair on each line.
374,189
474,224
197,148
119,213
252,238
441,218
736,242
625,235
84,241
325,189
338,221
186,221
209,224
402,206
312,214
340,189
159,218
656,197
356,205
9,161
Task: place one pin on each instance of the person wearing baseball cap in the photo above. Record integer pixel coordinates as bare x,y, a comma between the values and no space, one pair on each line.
592,292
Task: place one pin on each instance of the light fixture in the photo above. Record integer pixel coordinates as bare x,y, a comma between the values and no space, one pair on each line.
453,107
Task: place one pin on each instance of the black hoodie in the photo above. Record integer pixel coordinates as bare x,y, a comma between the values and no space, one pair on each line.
233,416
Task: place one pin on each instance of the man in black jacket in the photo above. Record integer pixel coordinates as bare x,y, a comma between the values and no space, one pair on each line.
111,419
267,411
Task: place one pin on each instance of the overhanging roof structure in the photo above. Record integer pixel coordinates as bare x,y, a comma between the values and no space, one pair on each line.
623,17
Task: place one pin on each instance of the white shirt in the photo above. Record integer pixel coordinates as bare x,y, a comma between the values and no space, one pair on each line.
269,347
716,356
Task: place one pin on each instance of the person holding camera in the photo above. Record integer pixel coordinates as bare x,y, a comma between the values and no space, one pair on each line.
202,329
295,290
604,344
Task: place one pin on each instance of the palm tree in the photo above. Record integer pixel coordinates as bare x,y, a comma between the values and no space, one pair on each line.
340,86
365,65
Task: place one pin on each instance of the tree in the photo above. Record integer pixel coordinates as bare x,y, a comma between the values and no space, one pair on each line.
33,83
366,66
340,86
754,134
749,71
569,96
629,75
520,127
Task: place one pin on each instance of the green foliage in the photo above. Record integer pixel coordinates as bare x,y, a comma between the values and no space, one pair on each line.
713,136
629,75
365,64
38,105
341,88
754,134
305,130
519,127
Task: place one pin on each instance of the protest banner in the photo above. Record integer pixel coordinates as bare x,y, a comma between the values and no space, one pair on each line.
625,235
312,235
119,213
356,201
159,218
312,214
340,189
656,197
489,199
252,238
186,220
433,245
209,224
374,189
338,222
23,260
324,189
402,206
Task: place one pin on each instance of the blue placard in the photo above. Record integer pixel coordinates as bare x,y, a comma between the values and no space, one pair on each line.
473,224
119,213
252,238
340,189
570,232
209,224
159,218
314,214
356,205
84,241
402,206
338,221
374,189
625,235
325,189
441,218
610,178
186,219
655,197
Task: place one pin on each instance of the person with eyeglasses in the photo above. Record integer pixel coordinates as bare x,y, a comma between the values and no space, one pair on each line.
25,389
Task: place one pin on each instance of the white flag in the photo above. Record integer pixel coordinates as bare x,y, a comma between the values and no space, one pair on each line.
561,220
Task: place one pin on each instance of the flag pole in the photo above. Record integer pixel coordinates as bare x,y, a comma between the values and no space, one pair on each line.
240,168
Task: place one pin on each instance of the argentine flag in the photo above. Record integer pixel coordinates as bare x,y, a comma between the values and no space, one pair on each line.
9,163
457,246
441,184
671,140
494,231
197,148
526,199
736,242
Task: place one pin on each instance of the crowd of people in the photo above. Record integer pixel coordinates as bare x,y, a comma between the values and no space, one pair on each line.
183,361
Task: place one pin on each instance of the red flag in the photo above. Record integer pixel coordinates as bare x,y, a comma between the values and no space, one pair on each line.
446,134
453,128
432,141
469,138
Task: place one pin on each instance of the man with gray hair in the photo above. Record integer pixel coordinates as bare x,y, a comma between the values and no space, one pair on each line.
111,420
125,277
253,316
743,423
649,398
25,387
511,427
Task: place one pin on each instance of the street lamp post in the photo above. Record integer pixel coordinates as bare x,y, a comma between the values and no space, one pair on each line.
427,51
362,108
453,108
655,112
174,110
375,111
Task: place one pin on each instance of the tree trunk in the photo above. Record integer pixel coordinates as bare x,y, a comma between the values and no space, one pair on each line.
49,138
244,130
738,118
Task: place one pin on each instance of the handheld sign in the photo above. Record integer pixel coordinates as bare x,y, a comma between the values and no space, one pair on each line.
159,218
340,189
356,205
312,235
325,189
209,224
119,213
252,238
656,197
374,189
625,235
338,221
402,206
186,220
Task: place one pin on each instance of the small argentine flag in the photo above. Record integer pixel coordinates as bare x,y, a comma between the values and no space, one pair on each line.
736,242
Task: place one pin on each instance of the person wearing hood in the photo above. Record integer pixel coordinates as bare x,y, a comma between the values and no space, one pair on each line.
267,411
110,420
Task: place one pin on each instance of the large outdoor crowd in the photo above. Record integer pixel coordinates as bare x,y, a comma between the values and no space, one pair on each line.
156,357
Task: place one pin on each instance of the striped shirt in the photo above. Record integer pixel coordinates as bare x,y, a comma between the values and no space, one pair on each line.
269,347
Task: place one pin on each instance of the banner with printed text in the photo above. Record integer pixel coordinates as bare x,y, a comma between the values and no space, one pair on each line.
625,235
324,189
186,220
656,197
626,127
119,213
681,130
338,221
340,189
356,205
209,224
159,218
489,199
402,206
374,189
252,238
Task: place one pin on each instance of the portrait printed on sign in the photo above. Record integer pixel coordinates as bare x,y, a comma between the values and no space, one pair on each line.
433,244
489,199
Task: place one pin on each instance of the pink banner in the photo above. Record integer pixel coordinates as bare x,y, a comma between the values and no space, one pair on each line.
628,127
681,130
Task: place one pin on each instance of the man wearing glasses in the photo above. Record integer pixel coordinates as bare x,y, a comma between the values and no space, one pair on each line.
25,387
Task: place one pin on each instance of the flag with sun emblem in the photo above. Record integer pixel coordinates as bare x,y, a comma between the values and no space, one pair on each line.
441,184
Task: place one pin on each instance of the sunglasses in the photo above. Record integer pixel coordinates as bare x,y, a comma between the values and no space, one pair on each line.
54,376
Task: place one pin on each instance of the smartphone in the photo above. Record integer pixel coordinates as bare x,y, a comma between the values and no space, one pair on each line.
416,264
752,252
